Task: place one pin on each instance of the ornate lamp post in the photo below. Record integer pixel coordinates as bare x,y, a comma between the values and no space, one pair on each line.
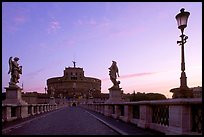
182,18
45,90
74,87
183,91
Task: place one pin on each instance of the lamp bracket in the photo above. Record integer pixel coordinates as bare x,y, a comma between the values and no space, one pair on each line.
179,42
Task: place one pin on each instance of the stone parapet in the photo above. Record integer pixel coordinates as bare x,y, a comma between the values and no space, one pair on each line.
172,116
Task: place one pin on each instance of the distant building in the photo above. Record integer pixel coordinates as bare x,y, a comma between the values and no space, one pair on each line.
35,98
197,92
73,84
40,98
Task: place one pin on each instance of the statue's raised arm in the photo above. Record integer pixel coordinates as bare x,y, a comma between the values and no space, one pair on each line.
15,71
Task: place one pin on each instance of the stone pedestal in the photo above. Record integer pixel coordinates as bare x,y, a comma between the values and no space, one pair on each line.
115,95
182,92
14,99
52,101
13,96
61,103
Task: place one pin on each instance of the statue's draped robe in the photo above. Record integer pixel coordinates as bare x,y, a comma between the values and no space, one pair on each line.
113,71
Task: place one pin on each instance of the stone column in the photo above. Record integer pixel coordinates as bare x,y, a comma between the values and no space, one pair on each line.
145,116
38,109
128,113
50,107
55,106
179,120
102,109
7,115
41,108
24,111
18,112
45,107
32,110
117,112
35,109
107,110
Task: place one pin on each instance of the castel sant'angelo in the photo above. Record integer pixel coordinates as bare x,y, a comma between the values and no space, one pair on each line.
74,84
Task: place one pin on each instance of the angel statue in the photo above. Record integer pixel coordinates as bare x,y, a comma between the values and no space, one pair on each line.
15,70
114,72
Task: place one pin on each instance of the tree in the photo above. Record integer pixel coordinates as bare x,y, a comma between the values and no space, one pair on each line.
149,96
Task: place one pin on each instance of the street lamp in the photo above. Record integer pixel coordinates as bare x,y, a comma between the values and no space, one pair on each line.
74,87
183,91
45,90
182,19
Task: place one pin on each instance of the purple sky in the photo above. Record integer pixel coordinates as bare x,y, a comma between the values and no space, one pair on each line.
140,37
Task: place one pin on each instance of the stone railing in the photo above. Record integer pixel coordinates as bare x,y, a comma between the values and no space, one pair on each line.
11,111
171,116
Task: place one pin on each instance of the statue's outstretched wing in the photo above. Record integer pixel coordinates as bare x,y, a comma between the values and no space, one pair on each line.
10,65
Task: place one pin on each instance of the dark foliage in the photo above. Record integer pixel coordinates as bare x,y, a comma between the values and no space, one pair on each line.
149,96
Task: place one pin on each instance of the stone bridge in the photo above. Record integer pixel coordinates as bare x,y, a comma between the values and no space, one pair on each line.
163,117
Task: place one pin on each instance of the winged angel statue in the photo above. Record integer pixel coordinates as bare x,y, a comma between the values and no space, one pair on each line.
15,70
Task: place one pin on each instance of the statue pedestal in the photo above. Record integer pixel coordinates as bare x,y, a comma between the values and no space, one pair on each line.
13,96
115,95
182,92
61,102
52,101
14,99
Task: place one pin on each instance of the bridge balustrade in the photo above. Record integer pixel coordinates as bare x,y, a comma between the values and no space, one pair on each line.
171,116
13,111
196,112
30,110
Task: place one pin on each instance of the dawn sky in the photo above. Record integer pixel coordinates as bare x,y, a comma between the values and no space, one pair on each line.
140,36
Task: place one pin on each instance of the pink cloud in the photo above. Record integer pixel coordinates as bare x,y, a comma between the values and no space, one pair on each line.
35,73
79,22
127,32
19,19
13,19
93,22
53,26
132,75
137,75
70,43
14,23
35,89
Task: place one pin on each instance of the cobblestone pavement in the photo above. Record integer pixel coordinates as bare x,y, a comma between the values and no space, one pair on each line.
66,121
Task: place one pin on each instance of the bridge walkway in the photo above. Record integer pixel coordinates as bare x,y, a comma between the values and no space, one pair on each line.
72,121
